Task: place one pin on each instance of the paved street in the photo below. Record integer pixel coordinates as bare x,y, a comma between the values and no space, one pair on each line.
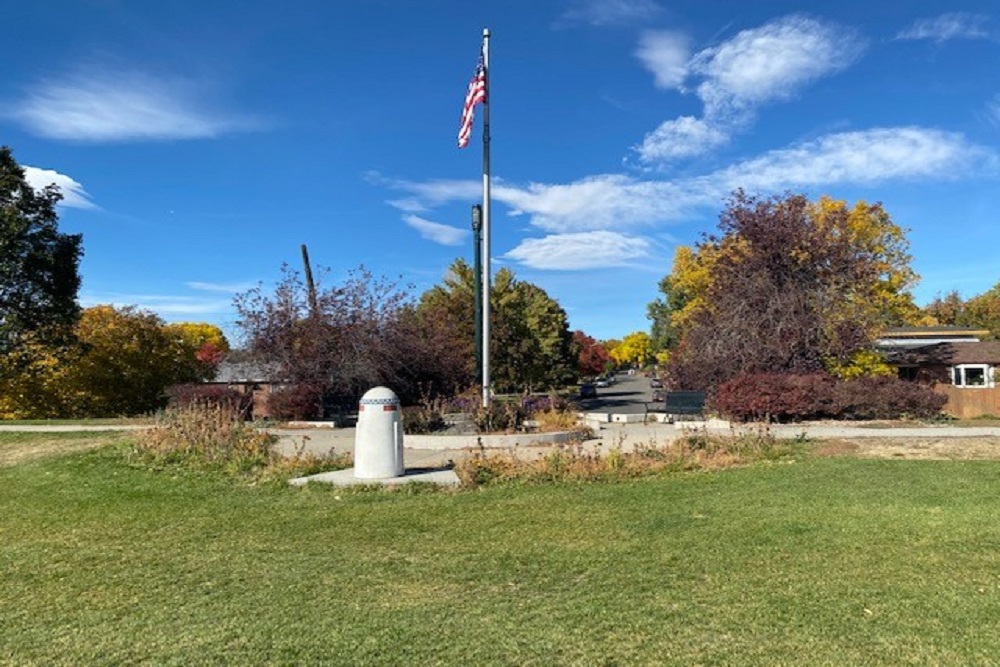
627,396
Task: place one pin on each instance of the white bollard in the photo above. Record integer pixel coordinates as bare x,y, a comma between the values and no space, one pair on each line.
378,441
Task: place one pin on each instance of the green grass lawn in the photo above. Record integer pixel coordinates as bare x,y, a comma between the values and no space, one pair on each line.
813,562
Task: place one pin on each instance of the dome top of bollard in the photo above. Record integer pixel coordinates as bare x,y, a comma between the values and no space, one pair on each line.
380,396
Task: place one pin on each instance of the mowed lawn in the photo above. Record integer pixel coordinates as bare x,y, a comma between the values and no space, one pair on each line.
820,561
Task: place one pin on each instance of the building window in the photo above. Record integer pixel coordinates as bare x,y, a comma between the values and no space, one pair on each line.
972,375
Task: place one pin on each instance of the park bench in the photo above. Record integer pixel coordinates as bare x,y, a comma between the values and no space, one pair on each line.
678,404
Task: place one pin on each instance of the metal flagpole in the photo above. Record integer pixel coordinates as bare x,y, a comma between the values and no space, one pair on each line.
487,392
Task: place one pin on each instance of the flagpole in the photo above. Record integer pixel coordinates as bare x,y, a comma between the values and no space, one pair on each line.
487,390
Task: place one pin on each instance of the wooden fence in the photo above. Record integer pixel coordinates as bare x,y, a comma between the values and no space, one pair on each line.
966,403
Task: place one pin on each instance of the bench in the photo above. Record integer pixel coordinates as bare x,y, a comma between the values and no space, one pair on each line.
679,403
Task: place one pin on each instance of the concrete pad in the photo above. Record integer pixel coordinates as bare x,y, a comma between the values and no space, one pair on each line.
443,477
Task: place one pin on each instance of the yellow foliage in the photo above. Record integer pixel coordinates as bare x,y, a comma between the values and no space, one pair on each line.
863,363
196,334
634,348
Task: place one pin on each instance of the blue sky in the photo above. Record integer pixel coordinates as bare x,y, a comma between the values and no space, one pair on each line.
199,144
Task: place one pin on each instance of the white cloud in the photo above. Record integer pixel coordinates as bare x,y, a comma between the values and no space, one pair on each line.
228,288
756,66
426,194
108,106
615,202
866,157
771,62
169,307
955,25
603,13
682,137
665,54
586,250
436,232
74,196
607,201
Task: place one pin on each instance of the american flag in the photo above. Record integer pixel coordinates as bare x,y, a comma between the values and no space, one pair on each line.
476,94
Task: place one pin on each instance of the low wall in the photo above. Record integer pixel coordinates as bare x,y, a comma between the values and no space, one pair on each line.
491,441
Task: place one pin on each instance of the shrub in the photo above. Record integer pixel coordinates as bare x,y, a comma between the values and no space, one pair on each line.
210,395
202,436
774,396
786,397
887,398
532,405
499,416
296,402
574,463
424,418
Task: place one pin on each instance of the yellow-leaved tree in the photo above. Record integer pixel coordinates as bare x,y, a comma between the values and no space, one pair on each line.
634,349
788,285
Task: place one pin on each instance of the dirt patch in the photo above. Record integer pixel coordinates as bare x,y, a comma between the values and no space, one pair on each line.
939,449
13,453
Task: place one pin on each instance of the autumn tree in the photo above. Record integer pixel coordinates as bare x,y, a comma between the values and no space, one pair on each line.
201,347
635,349
983,310
117,362
948,310
592,357
127,360
789,286
347,341
39,276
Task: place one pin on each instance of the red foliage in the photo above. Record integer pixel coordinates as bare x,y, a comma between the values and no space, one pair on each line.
209,355
296,402
593,358
790,397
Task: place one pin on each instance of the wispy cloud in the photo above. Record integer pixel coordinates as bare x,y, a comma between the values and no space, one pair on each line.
436,232
226,288
865,157
586,250
756,66
616,202
603,13
954,25
993,111
170,307
665,54
74,196
100,105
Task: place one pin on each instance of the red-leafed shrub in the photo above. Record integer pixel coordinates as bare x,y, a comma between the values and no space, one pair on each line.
296,402
774,397
886,398
788,397
212,396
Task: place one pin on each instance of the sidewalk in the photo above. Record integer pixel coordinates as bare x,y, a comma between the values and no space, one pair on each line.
430,451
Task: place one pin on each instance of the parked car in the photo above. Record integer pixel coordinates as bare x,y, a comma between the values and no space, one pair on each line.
656,383
601,382
588,390
659,396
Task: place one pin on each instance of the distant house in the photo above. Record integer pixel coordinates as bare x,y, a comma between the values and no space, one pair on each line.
953,360
255,379
903,337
